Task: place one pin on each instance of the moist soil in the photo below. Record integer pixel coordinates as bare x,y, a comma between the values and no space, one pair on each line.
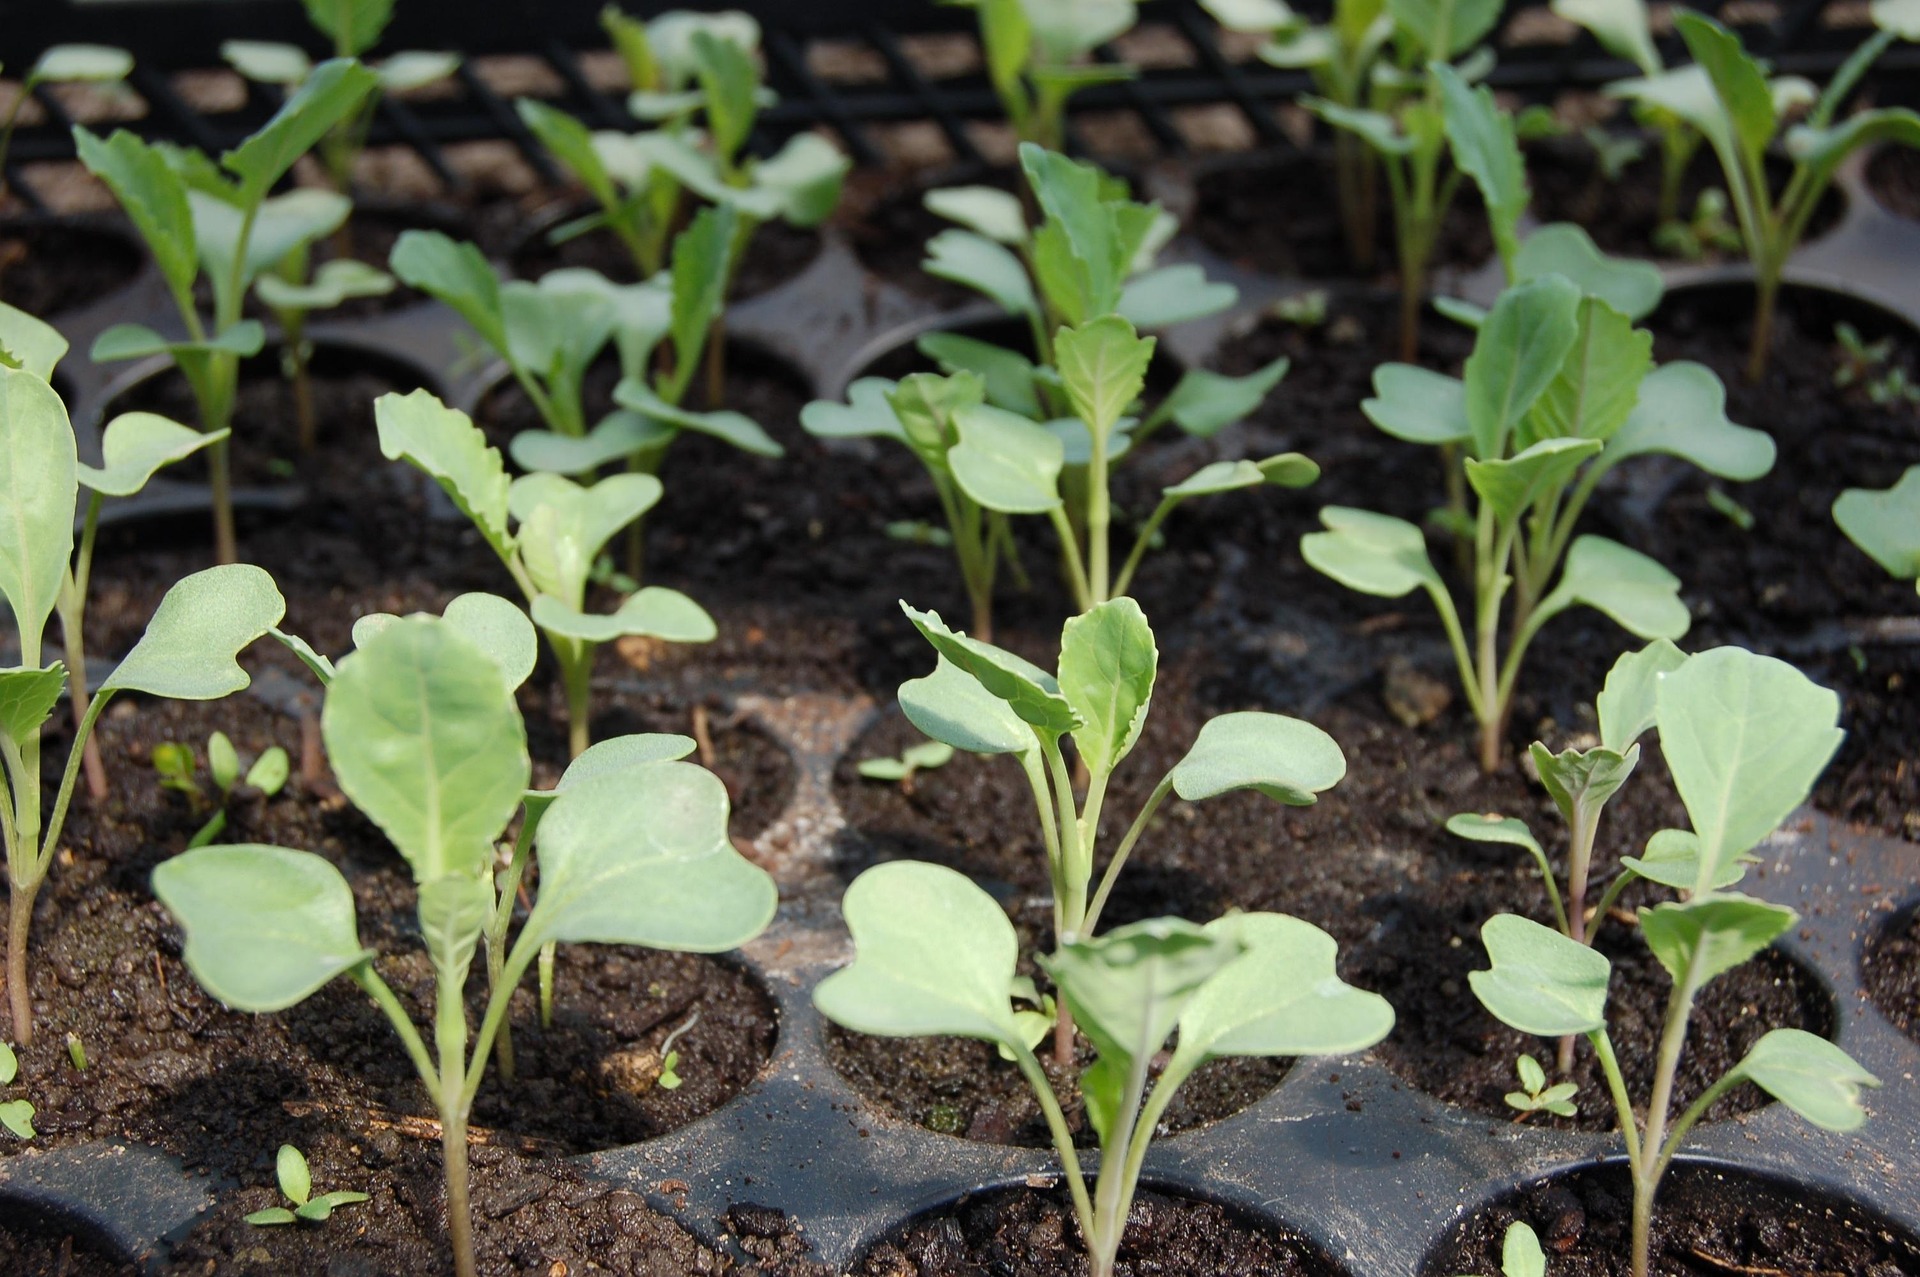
1622,214
1280,214
48,269
1034,1234
1890,969
1893,175
1706,1223
777,253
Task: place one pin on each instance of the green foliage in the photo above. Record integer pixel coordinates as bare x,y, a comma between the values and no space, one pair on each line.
1039,53
926,756
1535,1096
16,1116
1885,523
100,65
296,1185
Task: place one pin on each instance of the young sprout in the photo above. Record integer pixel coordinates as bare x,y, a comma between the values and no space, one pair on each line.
1038,56
15,1115
670,1078
351,27
293,295
547,531
1303,310
1744,737
985,700
1535,1096
76,1052
197,216
1561,388
296,1185
1741,114
175,765
926,756
1520,1253
97,64
187,652
1706,230
1885,524
935,954
425,738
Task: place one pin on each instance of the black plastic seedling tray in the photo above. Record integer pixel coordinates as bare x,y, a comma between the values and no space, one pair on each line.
1343,1151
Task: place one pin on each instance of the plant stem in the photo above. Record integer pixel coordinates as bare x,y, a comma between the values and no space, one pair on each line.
576,676
1099,517
450,1039
72,608
226,546
303,396
19,925
453,1151
1766,296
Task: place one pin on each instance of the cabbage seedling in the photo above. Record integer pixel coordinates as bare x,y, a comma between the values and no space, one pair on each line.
1745,737
15,1115
1520,1253
175,766
1535,1096
295,1181
547,531
425,738
1885,524
1726,96
98,64
926,756
985,700
934,954
1038,56
351,27
197,216
1560,389
293,294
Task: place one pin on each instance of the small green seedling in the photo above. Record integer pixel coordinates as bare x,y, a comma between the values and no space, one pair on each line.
1561,388
1039,54
425,738
1744,737
1614,153
96,64
221,220
1867,364
1706,231
15,1115
351,27
934,954
1306,309
1728,98
985,700
670,1079
1520,1253
187,652
175,764
925,756
76,1052
294,292
296,1185
1885,524
1535,1096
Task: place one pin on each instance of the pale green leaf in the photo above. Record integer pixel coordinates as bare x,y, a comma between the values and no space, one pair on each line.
1511,485
1372,553
1811,1076
189,649
333,92
1169,295
1520,349
619,434
1418,405
29,344
446,444
1640,595
1541,982
1627,704
1005,462
1708,936
985,210
39,482
653,611
729,427
1204,403
1885,523
1284,758
27,698
1631,287
1032,693
989,268
137,444
1672,859
1683,412
952,707
81,63
1107,665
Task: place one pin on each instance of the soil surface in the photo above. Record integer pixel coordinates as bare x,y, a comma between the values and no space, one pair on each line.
776,253
48,270
1706,1223
1893,175
1890,968
1280,214
1034,1234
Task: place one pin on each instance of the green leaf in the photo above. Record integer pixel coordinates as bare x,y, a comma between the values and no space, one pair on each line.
29,344
702,264
1902,17
1170,295
1745,737
867,414
1103,365
1621,27
153,195
1885,523
414,69
135,446
1504,830
572,143
1257,16
1288,470
189,650
282,224
453,912
1418,405
333,92
270,1216
9,1064
1811,1076
1376,128
39,481
952,707
1640,595
608,757
933,954
1583,778
1633,288
354,25
1217,477
1738,82
265,926
270,771
1520,350
223,761
81,63
321,1208
335,282
137,341
1372,553
1520,1253
496,626
654,611
267,61
1085,250
1683,413
728,79
619,434
1284,758
445,443
564,526
1444,29
1511,485
456,274
729,427
291,1174
1281,996
924,404
807,175
1107,665
1009,376
17,1116
425,738
1005,462
27,698
1626,705
976,262
1541,982
1672,859
1029,690
1205,403
1597,387
1708,936
985,210
1485,148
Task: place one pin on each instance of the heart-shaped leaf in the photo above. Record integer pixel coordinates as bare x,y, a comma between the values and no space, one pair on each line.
1009,376
1683,412
729,427
1672,859
335,282
564,525
1640,595
976,262
619,434
496,626
1372,553
137,444
952,707
1627,705
1107,665
1811,1076
867,414
188,651
29,344
1419,405
1885,523
1505,830
804,178
1170,295
1632,288
1216,477
604,758
1284,758
653,612
1541,982
1204,403
455,273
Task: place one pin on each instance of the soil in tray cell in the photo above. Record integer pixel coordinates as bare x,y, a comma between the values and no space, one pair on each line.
1893,175
48,269
1706,1223
1890,968
56,1249
777,253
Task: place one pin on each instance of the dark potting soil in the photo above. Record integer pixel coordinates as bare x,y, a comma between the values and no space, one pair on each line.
1706,1223
50,269
1890,967
1622,214
1872,780
56,1251
1280,214
777,253
1034,1234
1893,175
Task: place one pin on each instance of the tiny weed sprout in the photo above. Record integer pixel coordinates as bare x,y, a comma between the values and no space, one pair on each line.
1535,1096
351,27
97,64
548,531
174,764
1341,55
296,1185
1744,737
935,954
670,1079
1728,98
76,1053
1038,55
195,217
425,738
985,700
1520,1253
16,1116
925,756
1885,524
1561,388
187,653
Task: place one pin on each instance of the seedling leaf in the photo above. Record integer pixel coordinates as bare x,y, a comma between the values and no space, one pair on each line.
446,444
1032,692
951,706
1107,665
1281,996
1284,758
27,698
135,446
1372,553
1811,1076
1639,594
1541,982
1683,412
1006,462
188,651
1710,935
38,480
1885,523
1204,403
